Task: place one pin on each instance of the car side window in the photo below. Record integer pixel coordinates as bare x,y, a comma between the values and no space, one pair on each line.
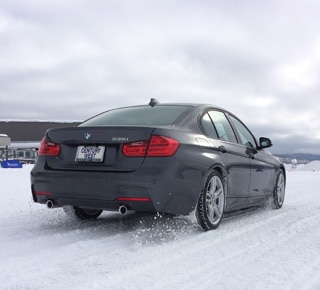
246,137
208,127
223,127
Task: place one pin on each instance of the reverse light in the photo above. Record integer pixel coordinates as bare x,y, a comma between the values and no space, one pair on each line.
157,146
48,148
135,149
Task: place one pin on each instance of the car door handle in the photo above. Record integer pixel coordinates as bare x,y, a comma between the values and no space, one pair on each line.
251,153
222,149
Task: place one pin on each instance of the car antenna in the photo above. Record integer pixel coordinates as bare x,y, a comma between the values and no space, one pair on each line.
153,102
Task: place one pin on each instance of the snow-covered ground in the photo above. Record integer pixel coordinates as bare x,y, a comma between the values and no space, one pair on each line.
259,249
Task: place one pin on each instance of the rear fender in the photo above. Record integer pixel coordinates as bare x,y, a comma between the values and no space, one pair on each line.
220,168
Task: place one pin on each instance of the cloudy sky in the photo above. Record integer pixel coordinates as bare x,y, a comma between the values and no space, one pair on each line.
71,59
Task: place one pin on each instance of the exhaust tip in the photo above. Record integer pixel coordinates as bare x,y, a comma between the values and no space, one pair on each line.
49,203
123,209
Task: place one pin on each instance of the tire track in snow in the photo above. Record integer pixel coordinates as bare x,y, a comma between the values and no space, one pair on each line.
240,254
261,244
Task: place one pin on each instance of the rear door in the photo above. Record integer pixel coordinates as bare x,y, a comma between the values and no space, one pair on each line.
234,155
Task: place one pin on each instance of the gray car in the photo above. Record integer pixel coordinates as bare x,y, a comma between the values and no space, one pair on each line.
166,158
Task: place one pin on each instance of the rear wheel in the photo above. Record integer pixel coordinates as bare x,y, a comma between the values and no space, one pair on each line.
81,213
211,202
279,191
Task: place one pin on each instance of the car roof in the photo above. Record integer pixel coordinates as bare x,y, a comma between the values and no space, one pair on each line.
199,105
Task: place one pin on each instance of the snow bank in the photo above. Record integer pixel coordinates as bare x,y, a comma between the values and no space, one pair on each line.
312,166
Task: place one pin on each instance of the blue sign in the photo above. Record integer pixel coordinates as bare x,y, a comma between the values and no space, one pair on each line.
11,164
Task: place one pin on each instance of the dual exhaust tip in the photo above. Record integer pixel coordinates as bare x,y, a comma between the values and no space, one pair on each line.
123,210
50,203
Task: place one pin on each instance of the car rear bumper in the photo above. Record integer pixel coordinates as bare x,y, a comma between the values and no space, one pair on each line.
148,189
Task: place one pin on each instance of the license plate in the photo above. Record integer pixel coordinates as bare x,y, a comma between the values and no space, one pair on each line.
90,154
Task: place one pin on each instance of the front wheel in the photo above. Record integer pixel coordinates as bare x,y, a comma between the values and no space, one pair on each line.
81,213
211,204
279,191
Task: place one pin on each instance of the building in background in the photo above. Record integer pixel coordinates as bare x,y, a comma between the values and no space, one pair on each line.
5,141
25,137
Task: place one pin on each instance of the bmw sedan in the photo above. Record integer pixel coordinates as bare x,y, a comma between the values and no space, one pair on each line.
158,158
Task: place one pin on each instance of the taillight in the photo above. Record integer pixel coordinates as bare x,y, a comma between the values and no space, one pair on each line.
158,146
135,149
48,148
162,146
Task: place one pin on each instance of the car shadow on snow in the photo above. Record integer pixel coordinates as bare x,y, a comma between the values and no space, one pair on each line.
242,212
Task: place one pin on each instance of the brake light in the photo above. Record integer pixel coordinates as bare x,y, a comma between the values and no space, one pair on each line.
157,146
162,146
48,148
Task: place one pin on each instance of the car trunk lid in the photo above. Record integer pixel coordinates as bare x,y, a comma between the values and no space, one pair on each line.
96,148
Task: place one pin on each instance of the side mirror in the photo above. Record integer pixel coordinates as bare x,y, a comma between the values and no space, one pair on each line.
264,143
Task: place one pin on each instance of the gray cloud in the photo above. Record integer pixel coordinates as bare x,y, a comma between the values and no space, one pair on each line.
68,60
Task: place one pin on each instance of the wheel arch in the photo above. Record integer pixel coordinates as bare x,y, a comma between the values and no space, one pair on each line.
284,169
281,167
223,172
209,208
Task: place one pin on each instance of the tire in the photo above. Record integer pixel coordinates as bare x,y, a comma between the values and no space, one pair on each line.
81,213
279,191
211,204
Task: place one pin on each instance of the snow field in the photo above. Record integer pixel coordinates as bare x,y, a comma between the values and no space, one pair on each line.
258,249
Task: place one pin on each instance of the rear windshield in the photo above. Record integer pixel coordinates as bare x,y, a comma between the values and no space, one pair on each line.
144,115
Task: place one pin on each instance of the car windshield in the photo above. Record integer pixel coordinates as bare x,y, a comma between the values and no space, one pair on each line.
140,116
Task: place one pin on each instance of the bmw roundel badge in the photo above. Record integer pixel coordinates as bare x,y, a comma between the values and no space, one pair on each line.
87,135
